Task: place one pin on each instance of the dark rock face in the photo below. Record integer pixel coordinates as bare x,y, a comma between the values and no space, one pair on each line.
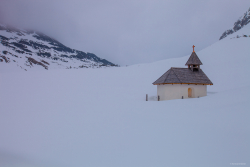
33,61
241,22
5,58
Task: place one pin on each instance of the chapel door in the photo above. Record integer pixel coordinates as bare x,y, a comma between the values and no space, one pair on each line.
189,92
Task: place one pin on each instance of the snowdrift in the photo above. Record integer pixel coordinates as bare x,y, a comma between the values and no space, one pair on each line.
99,117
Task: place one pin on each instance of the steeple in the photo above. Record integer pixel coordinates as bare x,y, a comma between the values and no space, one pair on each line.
194,62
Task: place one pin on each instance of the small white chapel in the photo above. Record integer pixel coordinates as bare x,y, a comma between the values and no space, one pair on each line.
182,83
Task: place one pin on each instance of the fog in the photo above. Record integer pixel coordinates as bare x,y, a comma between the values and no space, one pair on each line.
127,32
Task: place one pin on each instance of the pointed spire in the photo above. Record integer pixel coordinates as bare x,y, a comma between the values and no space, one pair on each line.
193,59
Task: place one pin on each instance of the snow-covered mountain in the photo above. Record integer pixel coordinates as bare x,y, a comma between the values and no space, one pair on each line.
240,23
65,118
34,50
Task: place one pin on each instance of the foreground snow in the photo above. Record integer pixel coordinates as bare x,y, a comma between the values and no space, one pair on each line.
99,117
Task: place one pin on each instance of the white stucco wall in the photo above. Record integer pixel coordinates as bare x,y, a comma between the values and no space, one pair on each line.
176,91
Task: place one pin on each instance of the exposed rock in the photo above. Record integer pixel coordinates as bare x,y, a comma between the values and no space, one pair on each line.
43,50
241,22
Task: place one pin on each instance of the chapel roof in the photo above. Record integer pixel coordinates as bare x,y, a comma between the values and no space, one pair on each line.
194,59
183,76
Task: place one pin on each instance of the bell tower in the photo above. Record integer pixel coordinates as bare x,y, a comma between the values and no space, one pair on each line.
194,62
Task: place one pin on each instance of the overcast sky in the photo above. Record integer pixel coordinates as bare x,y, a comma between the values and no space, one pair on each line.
127,32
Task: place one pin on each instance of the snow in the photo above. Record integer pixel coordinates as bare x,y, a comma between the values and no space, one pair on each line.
243,31
24,65
99,117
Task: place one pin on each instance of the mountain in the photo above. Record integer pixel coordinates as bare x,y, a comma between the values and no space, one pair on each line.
240,23
62,118
28,50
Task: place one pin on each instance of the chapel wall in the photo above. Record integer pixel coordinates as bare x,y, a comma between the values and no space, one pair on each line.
176,91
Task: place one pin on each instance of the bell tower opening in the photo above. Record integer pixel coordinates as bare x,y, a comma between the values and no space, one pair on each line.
194,67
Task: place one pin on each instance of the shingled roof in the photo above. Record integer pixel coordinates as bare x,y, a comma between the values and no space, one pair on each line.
183,76
194,59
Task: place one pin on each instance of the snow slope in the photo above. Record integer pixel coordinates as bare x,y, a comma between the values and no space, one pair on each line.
244,32
239,24
99,117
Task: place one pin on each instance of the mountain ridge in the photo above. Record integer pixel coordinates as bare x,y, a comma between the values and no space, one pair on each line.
240,23
37,48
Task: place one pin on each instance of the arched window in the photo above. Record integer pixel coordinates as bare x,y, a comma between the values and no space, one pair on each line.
189,92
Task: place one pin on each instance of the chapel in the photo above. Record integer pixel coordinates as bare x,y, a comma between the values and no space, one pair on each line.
182,83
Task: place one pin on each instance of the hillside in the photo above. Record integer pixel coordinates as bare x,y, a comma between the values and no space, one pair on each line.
31,50
239,24
99,117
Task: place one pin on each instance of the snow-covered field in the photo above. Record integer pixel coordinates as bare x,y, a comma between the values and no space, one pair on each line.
99,117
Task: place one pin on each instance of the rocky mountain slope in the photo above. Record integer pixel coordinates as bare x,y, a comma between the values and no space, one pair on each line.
34,50
241,22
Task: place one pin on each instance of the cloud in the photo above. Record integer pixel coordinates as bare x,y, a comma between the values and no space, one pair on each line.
127,31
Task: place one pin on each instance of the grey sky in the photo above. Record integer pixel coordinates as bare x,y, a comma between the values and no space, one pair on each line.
127,31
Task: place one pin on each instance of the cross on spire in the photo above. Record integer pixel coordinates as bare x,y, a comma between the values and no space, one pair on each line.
193,47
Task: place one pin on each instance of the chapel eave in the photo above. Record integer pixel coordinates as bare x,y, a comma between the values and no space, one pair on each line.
181,84
183,76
